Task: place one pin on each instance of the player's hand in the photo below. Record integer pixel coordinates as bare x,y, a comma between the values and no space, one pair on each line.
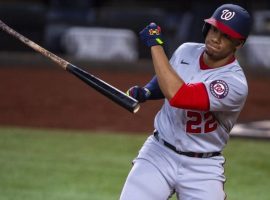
139,93
151,35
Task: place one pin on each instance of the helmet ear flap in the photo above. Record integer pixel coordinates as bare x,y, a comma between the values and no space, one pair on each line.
205,29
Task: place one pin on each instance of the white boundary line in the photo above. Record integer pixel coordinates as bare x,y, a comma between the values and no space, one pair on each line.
258,129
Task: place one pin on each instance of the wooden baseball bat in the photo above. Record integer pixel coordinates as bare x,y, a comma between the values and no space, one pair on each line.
101,86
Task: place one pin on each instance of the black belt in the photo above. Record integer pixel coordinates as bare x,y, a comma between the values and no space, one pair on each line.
189,154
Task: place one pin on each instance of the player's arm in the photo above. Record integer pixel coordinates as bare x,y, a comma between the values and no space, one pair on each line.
151,91
178,93
154,89
168,79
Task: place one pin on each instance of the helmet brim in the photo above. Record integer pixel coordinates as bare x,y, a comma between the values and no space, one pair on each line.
224,28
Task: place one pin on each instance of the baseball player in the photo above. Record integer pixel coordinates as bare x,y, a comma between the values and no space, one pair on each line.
204,89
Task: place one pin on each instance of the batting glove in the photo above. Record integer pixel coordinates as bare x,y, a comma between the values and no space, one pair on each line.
139,93
151,35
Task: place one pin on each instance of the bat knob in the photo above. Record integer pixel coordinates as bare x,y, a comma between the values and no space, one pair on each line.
136,108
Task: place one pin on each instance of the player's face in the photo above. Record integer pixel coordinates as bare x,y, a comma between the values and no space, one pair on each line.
219,45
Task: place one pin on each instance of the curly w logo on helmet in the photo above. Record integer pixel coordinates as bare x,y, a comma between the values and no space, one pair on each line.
227,15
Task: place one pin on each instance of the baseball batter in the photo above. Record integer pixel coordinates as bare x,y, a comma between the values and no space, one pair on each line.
204,89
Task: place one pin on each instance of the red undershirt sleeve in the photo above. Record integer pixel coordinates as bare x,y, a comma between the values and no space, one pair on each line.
191,96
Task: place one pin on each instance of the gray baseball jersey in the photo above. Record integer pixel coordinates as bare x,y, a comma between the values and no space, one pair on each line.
199,131
159,170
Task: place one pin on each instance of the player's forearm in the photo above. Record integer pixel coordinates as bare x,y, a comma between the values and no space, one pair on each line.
154,89
169,81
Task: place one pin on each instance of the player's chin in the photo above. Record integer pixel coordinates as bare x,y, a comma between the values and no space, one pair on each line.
210,53
212,50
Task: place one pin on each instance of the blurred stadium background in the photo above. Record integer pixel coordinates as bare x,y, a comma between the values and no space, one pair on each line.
41,104
101,36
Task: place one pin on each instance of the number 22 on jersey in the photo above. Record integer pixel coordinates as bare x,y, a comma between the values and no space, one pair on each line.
200,122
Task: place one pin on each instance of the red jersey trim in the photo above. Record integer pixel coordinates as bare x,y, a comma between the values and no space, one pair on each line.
191,96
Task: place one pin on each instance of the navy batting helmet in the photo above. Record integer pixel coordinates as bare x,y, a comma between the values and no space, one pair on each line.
230,19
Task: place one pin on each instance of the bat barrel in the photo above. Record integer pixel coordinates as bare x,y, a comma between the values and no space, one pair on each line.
109,91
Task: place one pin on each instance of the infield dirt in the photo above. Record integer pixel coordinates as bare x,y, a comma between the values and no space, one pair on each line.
51,98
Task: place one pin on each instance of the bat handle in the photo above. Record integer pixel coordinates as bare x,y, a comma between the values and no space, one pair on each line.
61,62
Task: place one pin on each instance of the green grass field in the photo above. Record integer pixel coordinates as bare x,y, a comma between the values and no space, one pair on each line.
63,165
